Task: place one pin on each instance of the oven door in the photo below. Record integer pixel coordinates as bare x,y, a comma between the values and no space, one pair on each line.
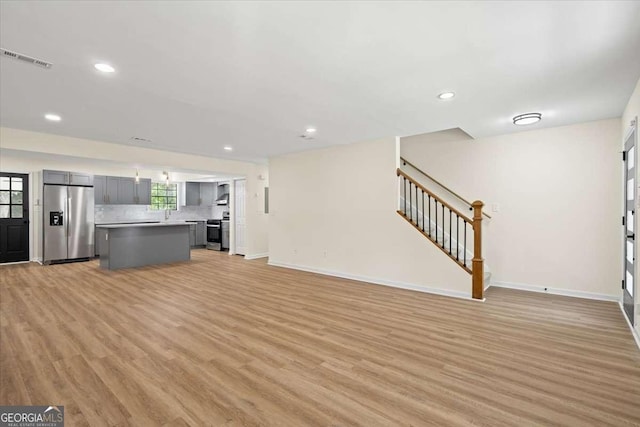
214,233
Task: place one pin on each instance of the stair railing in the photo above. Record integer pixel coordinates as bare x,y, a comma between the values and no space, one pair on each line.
433,217
450,191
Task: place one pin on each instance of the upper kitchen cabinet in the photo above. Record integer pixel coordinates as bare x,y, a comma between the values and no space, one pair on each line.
126,191
192,194
114,190
143,192
100,189
80,179
200,193
208,193
66,178
55,177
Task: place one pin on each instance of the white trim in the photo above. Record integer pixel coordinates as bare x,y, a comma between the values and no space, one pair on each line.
555,291
636,337
256,256
375,281
14,263
37,259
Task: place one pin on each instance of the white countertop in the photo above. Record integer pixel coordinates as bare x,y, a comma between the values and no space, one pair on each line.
155,224
150,221
127,222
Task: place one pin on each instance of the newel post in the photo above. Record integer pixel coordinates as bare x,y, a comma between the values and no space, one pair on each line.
477,264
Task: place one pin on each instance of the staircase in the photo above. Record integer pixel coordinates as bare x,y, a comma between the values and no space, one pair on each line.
454,233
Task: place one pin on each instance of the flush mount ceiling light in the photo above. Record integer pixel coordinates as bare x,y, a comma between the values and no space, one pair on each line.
446,95
228,148
105,68
52,117
527,119
311,130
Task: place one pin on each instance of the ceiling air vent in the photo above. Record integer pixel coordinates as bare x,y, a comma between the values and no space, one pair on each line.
34,61
138,139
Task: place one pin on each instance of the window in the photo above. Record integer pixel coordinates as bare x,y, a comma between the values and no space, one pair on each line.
11,203
164,196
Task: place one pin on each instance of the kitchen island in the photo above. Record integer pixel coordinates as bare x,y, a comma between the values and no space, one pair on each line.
136,245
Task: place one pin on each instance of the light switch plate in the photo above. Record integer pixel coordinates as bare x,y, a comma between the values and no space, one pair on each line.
495,207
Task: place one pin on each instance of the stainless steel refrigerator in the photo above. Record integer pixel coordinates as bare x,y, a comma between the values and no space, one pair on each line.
68,222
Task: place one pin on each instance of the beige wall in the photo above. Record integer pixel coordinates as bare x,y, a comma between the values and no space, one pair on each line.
630,113
334,210
559,196
86,152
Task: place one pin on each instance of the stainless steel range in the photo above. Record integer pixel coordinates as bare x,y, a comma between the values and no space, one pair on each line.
214,234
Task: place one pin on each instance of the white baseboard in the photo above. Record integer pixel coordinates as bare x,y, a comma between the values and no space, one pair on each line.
256,256
554,291
636,337
15,263
376,281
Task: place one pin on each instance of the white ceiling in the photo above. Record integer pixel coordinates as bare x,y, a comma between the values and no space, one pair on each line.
195,76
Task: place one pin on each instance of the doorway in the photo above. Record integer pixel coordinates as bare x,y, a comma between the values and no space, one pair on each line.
628,222
14,217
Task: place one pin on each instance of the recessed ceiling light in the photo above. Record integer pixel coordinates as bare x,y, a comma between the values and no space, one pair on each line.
53,117
446,95
311,130
228,148
527,119
105,68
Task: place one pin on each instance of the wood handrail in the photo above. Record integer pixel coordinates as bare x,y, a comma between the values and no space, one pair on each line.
468,203
400,172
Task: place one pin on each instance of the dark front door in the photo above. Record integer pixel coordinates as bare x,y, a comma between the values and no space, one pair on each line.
14,217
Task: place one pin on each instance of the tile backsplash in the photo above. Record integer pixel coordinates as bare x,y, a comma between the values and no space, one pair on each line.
118,213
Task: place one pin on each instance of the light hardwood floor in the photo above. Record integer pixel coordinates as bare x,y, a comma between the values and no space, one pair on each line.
221,341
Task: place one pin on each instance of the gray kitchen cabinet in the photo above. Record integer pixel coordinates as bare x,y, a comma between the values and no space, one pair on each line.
80,178
66,178
100,189
208,193
200,193
114,190
201,233
143,192
192,196
126,191
100,239
192,234
55,177
111,189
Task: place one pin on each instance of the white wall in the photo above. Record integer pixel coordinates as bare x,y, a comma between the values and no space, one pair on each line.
21,151
559,194
257,219
631,112
334,210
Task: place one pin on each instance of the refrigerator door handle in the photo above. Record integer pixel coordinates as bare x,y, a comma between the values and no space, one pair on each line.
68,216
